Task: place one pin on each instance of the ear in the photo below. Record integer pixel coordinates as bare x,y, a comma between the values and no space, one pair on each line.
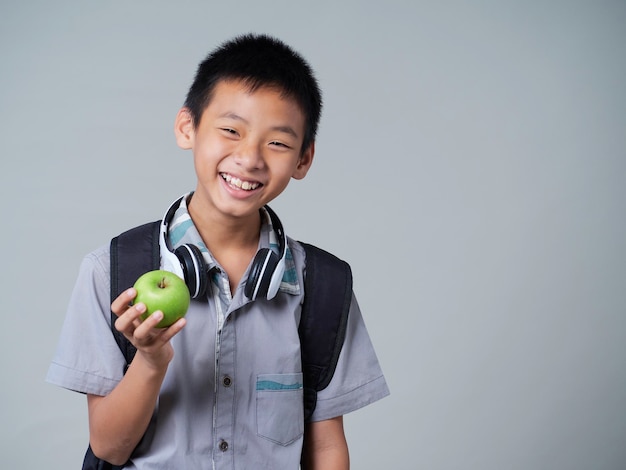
304,163
184,129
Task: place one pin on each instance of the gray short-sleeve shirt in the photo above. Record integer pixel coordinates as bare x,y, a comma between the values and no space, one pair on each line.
232,395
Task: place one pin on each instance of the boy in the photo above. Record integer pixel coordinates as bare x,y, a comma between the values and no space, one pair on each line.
219,388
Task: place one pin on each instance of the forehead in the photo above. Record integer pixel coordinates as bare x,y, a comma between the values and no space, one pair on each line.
264,100
249,87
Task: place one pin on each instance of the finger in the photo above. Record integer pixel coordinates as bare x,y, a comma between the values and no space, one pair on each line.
128,321
148,332
148,325
169,332
122,302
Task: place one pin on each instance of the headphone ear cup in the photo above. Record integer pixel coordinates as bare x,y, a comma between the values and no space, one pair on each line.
194,269
263,266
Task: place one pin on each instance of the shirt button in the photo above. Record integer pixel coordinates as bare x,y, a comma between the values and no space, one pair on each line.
227,381
223,446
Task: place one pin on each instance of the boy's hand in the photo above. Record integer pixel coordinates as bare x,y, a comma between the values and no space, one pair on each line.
151,342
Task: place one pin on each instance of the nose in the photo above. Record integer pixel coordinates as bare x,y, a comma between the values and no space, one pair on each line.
250,156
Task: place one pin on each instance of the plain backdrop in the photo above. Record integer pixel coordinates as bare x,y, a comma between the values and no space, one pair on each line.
470,166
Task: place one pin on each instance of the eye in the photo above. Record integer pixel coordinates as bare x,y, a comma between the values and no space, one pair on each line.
277,143
229,131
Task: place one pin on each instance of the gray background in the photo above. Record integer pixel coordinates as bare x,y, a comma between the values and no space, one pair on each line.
470,166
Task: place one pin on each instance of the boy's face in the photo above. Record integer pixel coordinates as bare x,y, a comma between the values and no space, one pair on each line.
246,148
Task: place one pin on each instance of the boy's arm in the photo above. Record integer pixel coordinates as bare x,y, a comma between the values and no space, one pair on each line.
325,446
118,421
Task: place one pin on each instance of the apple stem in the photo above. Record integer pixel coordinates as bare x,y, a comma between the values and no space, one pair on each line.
162,284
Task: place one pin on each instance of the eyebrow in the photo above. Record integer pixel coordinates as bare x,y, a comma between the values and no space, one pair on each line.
285,129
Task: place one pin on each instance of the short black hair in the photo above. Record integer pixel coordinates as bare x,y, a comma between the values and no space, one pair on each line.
258,60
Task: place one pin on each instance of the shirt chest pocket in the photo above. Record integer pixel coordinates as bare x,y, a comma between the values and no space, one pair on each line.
279,407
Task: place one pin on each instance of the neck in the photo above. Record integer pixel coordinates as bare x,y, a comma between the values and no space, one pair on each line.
223,231
232,241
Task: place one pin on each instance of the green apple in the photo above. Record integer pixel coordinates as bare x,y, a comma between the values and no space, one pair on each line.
164,291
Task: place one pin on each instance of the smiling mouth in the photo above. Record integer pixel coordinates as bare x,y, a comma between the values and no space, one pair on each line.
239,184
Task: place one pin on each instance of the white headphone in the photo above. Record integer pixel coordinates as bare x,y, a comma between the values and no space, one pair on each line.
186,261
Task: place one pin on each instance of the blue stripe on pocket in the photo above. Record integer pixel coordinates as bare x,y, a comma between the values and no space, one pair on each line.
270,385
279,382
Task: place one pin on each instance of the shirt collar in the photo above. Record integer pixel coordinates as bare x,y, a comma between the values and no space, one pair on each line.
183,231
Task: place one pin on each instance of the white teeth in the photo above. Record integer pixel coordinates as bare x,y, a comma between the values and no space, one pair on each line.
236,182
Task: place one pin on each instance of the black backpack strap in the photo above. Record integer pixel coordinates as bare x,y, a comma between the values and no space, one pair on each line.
91,462
324,320
133,253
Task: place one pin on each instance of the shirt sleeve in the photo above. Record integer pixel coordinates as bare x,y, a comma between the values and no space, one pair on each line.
87,358
358,380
